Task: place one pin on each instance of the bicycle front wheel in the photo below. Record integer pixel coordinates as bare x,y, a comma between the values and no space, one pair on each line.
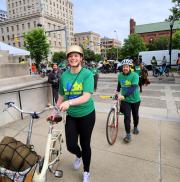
55,153
111,127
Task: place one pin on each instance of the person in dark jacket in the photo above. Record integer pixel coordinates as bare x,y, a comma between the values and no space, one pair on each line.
53,79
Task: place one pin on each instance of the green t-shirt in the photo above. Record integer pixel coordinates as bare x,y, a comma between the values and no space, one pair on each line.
94,71
137,69
84,83
126,81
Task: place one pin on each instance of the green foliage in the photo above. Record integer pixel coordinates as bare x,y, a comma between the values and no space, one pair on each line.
112,53
59,57
162,43
97,57
132,46
35,41
89,55
176,40
175,10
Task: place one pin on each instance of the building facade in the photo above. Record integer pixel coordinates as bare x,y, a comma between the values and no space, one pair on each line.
108,43
152,31
88,40
3,15
25,15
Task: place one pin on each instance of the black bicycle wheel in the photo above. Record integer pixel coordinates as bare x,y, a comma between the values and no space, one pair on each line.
167,72
155,73
111,127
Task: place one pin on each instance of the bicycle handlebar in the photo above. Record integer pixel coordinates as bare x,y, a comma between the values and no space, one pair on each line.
33,113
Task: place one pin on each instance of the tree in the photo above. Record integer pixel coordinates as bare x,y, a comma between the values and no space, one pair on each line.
176,40
175,10
35,41
161,43
112,53
59,57
89,55
97,57
132,46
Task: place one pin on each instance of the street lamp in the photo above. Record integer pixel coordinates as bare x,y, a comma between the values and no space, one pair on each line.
117,43
171,23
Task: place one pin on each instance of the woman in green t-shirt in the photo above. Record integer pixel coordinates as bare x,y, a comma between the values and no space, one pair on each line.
128,85
76,88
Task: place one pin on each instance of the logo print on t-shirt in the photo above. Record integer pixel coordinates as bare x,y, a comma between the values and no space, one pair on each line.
73,91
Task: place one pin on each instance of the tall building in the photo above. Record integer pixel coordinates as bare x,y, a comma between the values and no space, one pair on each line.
25,15
3,15
89,40
152,31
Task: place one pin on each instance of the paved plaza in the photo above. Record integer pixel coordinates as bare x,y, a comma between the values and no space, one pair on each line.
152,156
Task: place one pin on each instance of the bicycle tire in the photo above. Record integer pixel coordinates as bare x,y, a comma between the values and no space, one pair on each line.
55,152
111,129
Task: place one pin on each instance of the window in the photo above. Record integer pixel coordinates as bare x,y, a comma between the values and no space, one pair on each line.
8,37
3,38
12,28
7,29
34,23
17,26
29,25
2,30
23,26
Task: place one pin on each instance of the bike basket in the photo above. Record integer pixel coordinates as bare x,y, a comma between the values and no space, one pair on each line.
12,176
16,159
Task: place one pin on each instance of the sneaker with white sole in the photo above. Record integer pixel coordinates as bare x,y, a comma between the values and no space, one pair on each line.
86,177
77,163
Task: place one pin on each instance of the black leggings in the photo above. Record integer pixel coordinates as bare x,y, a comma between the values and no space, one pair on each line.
82,127
127,108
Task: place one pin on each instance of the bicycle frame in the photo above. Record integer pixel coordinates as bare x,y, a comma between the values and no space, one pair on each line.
116,107
53,136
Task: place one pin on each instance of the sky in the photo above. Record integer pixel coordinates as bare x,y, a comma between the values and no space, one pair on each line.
110,18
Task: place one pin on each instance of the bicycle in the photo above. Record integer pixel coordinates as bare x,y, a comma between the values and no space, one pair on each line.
112,122
53,144
160,71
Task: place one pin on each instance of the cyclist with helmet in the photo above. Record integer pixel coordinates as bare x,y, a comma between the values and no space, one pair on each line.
76,88
130,97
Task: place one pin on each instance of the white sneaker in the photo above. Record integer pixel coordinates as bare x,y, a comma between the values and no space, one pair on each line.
86,177
77,163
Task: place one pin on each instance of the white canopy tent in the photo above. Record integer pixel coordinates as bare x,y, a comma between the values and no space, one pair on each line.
13,50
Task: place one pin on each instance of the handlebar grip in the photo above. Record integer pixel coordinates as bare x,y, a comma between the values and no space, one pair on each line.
8,103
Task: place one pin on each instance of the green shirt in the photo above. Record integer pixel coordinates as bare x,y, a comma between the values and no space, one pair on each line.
94,71
84,83
126,81
137,69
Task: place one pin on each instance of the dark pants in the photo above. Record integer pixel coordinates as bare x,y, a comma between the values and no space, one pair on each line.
126,109
95,81
55,94
140,84
80,127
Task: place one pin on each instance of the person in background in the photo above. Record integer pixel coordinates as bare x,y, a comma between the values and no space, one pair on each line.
138,67
163,64
95,72
178,63
130,98
53,79
76,89
153,62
